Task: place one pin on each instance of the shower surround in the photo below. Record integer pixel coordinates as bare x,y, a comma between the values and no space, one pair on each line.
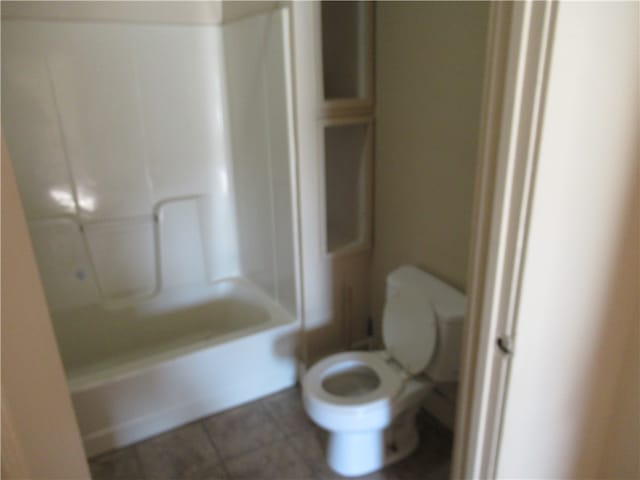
155,165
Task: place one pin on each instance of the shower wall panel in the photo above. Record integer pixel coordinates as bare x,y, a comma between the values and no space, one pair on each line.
152,156
108,124
256,52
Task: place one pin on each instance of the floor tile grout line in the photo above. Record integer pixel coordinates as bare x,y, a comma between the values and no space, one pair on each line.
135,445
215,447
291,440
197,422
288,435
167,432
284,440
312,467
111,453
139,460
223,459
273,419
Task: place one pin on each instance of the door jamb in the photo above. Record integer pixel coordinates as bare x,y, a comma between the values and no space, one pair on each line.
519,42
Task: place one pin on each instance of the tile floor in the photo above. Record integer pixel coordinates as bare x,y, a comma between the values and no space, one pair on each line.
270,438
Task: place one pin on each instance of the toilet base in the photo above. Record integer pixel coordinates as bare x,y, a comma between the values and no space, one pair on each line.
352,454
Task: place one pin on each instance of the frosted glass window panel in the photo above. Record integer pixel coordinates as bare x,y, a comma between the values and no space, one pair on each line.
346,150
344,49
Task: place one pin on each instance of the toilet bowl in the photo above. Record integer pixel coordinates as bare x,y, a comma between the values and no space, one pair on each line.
368,401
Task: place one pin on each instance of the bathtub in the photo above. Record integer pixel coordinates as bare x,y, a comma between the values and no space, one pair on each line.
137,371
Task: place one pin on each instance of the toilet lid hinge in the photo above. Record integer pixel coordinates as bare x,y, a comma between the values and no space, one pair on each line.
393,363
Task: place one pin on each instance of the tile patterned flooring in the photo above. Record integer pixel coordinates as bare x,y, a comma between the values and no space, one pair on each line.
270,438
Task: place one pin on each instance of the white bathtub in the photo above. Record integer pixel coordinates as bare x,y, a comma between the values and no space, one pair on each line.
140,370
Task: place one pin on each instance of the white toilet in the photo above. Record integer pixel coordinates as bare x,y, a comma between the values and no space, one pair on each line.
368,401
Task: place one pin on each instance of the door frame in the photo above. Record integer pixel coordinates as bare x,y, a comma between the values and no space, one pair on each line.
34,387
520,38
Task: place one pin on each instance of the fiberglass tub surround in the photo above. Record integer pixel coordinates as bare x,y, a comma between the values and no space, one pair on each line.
154,164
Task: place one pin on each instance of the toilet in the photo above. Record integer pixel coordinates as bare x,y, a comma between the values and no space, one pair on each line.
368,401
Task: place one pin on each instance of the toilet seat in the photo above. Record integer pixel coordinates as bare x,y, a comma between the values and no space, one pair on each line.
318,399
409,332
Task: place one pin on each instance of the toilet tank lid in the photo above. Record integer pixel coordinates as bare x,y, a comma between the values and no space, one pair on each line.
446,300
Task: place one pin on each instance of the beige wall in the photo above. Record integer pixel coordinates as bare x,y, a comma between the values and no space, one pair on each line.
429,71
620,457
572,402
40,437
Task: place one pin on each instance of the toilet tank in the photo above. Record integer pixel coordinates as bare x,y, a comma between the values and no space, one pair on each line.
449,305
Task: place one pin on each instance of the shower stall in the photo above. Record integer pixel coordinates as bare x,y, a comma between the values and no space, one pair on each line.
156,167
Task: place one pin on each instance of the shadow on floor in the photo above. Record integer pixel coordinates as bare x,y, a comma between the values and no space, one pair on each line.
270,438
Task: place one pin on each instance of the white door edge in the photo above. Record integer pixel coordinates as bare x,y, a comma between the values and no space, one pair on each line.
519,39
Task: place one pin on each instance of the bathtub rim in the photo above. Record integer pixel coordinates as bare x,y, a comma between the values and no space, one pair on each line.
278,316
